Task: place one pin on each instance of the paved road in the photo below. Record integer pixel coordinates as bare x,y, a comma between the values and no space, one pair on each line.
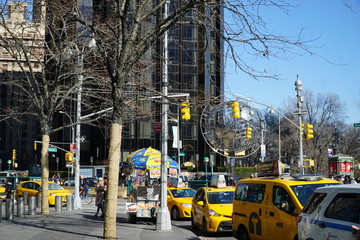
82,224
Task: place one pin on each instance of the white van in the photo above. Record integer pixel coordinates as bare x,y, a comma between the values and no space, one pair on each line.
330,212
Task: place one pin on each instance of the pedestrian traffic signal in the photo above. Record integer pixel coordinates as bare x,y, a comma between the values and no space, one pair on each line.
185,110
248,133
309,131
13,154
236,109
69,157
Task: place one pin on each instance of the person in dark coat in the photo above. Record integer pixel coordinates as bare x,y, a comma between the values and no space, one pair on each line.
8,189
100,189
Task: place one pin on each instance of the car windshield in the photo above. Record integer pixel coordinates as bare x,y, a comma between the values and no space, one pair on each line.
303,192
182,193
54,186
220,197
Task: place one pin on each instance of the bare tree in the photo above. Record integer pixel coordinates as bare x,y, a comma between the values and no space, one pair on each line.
129,42
324,112
38,68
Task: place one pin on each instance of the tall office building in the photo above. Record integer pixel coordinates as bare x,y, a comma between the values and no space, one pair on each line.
195,67
18,135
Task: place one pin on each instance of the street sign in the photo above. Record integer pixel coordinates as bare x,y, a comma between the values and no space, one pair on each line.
356,124
73,147
263,150
69,165
157,126
182,154
52,149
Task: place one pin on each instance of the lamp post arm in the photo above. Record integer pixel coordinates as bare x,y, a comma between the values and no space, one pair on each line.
270,107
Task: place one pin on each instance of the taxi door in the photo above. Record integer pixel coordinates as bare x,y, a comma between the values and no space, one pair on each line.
198,207
248,209
170,200
281,214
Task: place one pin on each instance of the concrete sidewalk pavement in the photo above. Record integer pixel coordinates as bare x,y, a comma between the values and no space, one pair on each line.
82,224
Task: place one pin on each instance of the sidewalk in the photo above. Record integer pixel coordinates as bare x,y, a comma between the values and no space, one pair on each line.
82,224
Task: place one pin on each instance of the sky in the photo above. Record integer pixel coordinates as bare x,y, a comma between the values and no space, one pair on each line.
339,42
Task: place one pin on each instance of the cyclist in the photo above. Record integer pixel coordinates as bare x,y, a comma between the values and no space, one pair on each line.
83,185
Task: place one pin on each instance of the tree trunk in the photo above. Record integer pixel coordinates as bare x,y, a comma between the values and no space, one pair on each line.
45,174
112,182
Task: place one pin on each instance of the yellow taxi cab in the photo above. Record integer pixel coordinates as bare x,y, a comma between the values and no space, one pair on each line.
33,188
179,202
212,207
2,193
267,207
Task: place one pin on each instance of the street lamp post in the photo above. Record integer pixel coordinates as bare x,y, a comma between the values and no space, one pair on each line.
279,139
72,133
9,162
206,161
300,112
163,220
298,88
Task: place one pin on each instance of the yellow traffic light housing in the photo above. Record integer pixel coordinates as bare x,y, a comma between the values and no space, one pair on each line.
185,110
309,131
35,146
248,133
69,157
236,109
303,130
13,154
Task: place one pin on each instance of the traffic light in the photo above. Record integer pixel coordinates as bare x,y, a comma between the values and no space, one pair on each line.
69,157
309,131
13,154
303,130
185,110
236,109
248,133
35,146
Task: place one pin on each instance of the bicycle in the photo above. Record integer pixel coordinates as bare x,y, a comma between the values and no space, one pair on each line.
86,196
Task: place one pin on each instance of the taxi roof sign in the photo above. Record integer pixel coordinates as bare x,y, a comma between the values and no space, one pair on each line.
218,181
175,182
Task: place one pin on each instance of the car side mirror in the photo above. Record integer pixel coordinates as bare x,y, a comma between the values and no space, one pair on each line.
38,189
284,206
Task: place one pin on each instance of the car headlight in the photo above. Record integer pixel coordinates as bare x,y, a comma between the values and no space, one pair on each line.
186,205
213,213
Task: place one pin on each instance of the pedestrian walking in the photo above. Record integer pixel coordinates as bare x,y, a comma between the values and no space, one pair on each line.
100,189
8,188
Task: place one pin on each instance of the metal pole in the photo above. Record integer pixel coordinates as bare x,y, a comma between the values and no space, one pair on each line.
163,220
178,140
279,164
298,89
77,200
206,174
262,121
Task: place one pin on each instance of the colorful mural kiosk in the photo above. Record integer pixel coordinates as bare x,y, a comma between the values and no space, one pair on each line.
341,165
143,170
